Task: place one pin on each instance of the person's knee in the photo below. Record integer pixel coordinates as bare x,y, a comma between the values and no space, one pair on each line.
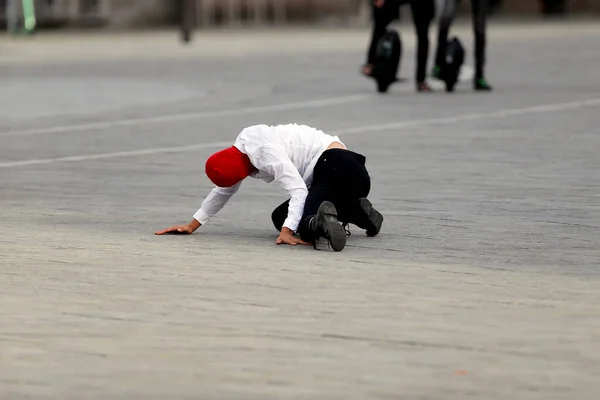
276,217
276,222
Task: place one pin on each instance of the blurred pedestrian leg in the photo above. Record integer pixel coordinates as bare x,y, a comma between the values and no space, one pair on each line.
187,21
12,16
447,14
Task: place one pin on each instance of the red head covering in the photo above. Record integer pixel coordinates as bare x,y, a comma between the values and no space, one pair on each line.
227,167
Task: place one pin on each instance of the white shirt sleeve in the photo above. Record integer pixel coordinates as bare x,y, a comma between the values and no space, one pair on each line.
276,162
214,202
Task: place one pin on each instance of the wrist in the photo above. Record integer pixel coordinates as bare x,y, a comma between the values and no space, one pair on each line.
287,230
194,225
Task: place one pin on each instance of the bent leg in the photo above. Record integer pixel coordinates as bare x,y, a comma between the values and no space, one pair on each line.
320,216
317,194
352,185
320,219
279,215
353,206
341,184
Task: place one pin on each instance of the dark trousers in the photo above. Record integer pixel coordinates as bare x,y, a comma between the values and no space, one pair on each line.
340,176
423,12
480,9
553,6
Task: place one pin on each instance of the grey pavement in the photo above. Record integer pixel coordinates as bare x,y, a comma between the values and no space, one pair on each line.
483,283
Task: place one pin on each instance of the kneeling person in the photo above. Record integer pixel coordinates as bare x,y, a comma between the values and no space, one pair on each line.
328,184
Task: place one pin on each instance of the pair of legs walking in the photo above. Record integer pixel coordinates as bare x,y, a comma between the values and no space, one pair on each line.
337,195
423,12
480,9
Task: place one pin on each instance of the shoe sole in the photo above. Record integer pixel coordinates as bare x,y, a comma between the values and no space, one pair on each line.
328,220
374,216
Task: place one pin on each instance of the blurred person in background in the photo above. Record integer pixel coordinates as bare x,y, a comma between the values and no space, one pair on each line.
386,11
12,16
479,9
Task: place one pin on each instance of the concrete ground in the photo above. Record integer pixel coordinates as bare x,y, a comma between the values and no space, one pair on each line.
483,283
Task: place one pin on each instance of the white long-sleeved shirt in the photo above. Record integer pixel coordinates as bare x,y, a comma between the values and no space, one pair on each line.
285,153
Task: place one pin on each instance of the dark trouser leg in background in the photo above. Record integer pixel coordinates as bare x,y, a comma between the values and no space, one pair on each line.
446,18
480,10
422,13
382,16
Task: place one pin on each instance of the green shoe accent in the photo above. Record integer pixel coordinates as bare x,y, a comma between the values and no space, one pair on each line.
482,85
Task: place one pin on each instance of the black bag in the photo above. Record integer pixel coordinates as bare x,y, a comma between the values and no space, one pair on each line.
453,61
387,60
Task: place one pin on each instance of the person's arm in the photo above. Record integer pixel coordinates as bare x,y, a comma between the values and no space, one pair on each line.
213,203
276,162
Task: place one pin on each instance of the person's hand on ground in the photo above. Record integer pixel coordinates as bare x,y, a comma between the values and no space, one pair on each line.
180,229
287,237
174,230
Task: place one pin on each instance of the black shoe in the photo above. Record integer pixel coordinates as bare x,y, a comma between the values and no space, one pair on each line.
325,224
374,218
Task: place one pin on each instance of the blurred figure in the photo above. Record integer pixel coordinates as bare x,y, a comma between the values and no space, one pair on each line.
12,16
480,10
553,7
384,12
